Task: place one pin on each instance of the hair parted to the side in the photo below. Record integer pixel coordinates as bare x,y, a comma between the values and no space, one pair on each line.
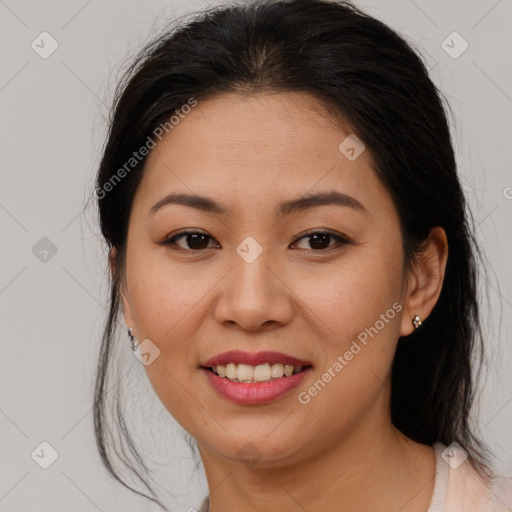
372,79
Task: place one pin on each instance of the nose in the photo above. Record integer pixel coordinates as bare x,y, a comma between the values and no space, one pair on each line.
254,296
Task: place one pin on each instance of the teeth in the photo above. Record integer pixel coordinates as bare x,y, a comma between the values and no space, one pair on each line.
231,372
277,371
260,373
245,373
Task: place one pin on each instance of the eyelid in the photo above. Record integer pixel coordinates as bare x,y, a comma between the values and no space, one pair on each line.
323,231
169,240
342,239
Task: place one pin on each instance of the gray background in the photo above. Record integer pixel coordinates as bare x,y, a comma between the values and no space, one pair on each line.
52,312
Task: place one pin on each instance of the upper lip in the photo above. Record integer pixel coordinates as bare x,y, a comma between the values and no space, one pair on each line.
253,359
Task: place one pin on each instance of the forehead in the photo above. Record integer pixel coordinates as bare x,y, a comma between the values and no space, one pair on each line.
259,148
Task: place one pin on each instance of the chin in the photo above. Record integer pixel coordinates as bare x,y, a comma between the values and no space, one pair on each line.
255,448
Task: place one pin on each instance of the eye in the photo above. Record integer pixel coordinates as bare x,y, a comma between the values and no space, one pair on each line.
197,241
319,240
193,240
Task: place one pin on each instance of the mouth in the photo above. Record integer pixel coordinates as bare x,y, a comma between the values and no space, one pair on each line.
246,378
266,372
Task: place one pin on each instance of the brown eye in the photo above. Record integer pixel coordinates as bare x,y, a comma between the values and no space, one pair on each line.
192,240
320,240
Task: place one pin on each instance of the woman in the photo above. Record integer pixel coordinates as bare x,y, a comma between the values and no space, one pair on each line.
293,257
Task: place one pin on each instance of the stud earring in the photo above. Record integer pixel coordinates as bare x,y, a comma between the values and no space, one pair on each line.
133,341
416,321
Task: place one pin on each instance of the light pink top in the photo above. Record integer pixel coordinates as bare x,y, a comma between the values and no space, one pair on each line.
458,488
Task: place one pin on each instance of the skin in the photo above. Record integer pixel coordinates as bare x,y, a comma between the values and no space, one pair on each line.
340,451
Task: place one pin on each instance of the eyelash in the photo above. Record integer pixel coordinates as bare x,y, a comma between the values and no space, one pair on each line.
172,240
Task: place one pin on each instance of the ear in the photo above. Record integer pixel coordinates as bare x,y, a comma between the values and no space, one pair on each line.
426,280
123,292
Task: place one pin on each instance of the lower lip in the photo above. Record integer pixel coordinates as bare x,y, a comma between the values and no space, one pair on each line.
258,392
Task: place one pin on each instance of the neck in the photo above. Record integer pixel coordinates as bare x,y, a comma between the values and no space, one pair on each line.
364,471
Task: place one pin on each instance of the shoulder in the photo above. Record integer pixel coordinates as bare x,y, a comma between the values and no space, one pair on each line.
467,491
500,494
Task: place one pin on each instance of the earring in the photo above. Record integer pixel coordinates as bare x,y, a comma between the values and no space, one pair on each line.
133,341
416,321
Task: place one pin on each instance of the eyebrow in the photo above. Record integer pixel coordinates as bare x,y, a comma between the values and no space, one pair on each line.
308,201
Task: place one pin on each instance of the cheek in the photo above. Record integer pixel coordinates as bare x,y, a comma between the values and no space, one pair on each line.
353,294
164,294
167,309
163,305
358,302
359,305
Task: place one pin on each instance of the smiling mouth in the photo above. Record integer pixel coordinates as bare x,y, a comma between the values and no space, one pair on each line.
245,373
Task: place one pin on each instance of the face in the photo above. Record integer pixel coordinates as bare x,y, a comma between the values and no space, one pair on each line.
319,281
